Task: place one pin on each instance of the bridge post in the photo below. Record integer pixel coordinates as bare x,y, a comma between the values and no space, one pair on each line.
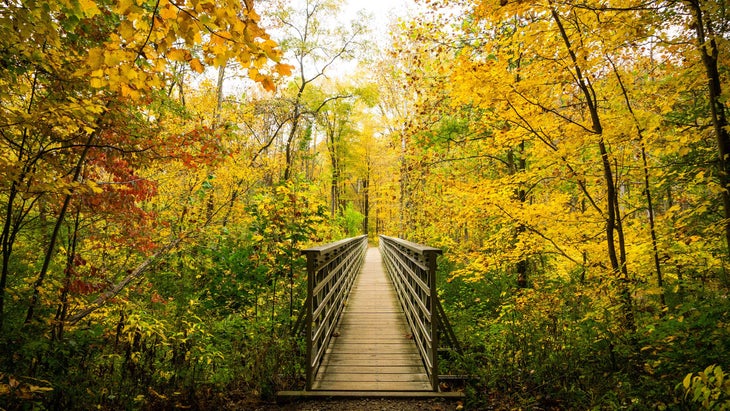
430,256
309,309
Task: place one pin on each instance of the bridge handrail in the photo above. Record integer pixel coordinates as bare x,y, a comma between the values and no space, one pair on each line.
331,271
412,268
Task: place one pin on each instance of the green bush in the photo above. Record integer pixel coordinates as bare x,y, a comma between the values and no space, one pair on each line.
709,389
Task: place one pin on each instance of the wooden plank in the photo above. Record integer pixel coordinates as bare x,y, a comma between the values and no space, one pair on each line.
372,349
366,368
382,343
369,377
385,344
411,358
382,338
371,386
377,323
373,362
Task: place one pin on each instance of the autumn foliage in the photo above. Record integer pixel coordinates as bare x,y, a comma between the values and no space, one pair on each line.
575,152
162,162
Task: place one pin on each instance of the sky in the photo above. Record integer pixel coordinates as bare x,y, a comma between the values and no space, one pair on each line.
379,7
383,11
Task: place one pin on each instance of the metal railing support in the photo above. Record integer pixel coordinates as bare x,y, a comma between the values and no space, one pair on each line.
412,268
331,271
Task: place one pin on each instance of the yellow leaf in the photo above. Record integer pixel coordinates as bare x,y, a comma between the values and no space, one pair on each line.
89,8
94,187
35,388
196,65
128,71
253,16
268,46
97,82
284,69
123,6
168,12
176,55
126,30
95,58
260,61
687,381
113,58
220,59
268,84
243,56
160,65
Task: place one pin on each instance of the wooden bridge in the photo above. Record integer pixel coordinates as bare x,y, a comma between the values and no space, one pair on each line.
372,320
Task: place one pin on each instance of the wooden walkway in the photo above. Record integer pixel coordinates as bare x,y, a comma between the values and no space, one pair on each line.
372,349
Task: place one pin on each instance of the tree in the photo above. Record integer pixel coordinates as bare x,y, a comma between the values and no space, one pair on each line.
709,21
315,46
97,64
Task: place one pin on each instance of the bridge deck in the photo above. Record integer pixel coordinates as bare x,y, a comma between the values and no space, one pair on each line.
372,350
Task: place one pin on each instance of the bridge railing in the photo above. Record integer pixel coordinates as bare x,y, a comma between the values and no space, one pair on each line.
331,271
412,268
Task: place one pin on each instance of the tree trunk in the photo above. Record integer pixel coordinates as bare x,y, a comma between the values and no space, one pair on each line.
116,288
366,199
517,166
62,311
8,240
617,257
709,52
288,149
647,188
404,191
335,178
51,249
219,94
12,224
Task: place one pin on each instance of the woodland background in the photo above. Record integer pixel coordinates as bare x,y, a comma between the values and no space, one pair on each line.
162,162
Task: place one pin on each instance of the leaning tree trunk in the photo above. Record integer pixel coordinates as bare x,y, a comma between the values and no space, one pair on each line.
615,246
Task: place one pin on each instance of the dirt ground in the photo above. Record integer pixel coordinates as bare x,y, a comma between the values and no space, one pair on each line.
365,405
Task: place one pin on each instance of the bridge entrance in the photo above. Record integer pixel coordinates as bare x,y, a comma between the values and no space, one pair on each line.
372,320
